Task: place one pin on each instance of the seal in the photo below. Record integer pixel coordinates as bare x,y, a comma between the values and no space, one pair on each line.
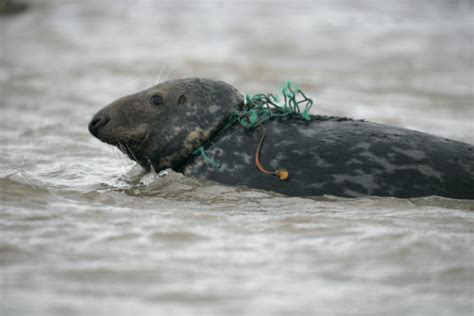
162,127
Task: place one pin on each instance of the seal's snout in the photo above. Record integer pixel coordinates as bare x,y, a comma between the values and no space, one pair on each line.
96,123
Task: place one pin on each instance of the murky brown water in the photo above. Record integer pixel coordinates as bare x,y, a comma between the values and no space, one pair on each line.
83,232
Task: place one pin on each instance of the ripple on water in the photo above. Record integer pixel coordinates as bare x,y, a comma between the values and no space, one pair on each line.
178,237
11,254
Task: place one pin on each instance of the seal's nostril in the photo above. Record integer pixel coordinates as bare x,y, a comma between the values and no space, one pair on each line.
96,124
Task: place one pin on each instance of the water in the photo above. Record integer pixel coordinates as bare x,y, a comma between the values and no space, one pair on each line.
85,232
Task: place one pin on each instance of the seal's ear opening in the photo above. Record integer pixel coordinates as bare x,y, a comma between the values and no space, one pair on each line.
182,99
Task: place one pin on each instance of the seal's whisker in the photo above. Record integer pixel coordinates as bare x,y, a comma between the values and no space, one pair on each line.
114,151
119,145
168,73
158,80
152,168
122,155
131,152
121,148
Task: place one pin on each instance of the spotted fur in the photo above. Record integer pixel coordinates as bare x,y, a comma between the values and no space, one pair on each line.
327,155
342,157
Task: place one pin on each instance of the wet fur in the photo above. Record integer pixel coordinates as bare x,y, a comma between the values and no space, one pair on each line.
328,155
341,157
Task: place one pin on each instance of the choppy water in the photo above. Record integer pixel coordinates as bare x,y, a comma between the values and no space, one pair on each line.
84,232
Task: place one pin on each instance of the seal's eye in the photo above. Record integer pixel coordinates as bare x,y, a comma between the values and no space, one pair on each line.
182,99
156,100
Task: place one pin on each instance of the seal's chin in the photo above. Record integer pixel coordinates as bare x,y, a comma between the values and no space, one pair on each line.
135,151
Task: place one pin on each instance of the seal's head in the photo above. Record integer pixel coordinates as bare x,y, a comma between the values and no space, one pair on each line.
162,126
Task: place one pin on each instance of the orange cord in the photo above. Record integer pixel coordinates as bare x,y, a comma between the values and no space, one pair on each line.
282,174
